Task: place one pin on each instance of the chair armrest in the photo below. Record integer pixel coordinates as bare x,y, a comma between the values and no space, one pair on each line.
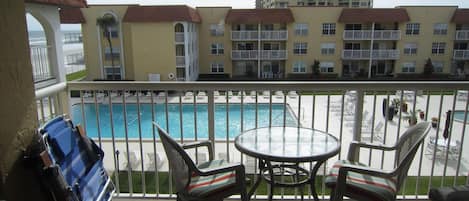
341,178
207,144
354,145
238,167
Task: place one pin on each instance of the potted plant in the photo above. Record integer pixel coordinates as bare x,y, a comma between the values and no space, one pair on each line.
434,122
403,106
413,118
421,114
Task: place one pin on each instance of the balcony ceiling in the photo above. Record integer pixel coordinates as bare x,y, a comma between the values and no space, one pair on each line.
461,16
256,16
161,14
61,3
369,15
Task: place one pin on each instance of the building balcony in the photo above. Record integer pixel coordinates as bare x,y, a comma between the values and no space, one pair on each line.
274,35
461,55
367,35
244,35
279,35
374,54
179,37
347,110
254,54
462,35
180,61
40,62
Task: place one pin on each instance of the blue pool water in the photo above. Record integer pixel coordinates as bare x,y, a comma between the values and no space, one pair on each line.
174,119
459,115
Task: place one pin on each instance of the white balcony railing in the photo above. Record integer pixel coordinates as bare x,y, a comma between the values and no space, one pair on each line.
254,54
274,35
365,54
179,37
347,110
461,55
274,54
180,61
40,62
244,35
377,35
462,35
254,35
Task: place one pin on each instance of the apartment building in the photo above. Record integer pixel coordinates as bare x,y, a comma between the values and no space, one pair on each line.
288,3
299,42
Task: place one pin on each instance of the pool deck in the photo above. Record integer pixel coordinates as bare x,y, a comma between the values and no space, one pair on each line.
323,120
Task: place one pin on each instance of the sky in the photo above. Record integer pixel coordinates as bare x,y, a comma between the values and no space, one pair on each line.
34,25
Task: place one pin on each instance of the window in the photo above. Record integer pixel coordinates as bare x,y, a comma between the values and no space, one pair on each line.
217,67
327,48
326,67
301,29
113,32
299,67
217,49
115,53
328,29
112,73
282,4
300,48
438,48
408,67
217,29
352,46
410,48
412,29
437,66
440,29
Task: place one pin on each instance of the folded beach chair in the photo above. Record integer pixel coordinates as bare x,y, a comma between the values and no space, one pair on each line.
73,164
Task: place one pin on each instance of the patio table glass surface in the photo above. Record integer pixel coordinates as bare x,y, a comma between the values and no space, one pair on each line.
287,144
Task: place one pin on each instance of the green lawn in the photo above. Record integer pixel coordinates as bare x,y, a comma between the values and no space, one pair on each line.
163,187
76,75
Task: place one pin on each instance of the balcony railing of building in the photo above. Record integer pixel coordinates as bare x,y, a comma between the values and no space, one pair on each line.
180,61
461,55
254,54
254,35
462,35
274,35
375,54
244,35
179,37
118,116
377,35
40,62
73,37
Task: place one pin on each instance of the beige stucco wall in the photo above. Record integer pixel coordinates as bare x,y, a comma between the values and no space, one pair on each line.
214,15
18,119
427,16
315,17
91,40
152,49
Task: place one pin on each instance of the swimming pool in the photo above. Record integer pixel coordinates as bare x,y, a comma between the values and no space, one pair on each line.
459,115
174,119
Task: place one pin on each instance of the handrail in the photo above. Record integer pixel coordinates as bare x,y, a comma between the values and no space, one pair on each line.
51,90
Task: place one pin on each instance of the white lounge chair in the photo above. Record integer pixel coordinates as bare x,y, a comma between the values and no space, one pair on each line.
154,164
201,95
188,96
133,161
292,94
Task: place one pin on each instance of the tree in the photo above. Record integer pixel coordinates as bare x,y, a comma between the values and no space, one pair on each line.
105,23
315,68
428,68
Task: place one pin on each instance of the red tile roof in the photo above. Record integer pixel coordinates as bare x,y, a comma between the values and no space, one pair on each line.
461,16
259,16
161,14
379,15
71,16
62,3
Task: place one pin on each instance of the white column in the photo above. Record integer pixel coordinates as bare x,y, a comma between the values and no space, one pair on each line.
371,49
259,50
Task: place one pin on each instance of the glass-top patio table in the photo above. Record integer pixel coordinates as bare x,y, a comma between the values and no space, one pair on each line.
287,147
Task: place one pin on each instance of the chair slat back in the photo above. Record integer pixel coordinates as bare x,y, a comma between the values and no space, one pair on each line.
407,147
179,162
